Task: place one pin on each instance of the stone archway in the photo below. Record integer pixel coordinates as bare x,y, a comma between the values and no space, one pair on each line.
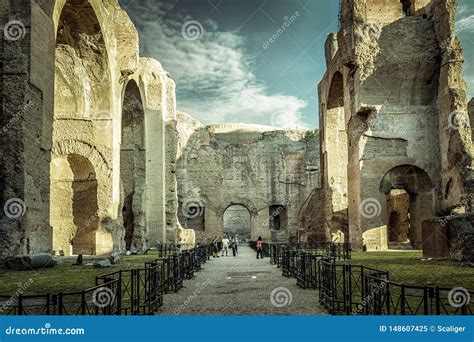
334,156
82,132
399,225
78,177
410,194
82,77
132,167
237,221
74,205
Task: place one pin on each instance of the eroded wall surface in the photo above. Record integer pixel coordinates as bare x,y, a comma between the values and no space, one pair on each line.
405,116
252,166
77,103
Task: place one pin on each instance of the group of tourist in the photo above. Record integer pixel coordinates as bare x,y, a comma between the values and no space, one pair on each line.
226,243
233,244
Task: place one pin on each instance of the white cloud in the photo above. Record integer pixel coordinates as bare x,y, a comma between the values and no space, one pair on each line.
465,24
214,74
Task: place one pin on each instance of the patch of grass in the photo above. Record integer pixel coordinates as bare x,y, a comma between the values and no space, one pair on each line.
407,267
65,277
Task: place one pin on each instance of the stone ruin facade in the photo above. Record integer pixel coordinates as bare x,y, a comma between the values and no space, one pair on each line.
87,126
396,139
96,158
248,180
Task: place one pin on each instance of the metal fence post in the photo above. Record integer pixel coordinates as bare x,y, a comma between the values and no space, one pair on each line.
20,305
402,300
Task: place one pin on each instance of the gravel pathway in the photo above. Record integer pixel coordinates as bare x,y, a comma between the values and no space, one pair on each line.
241,285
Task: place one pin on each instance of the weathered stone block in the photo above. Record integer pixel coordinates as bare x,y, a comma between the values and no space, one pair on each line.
449,237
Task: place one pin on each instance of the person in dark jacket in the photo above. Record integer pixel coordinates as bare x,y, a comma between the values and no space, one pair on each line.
215,247
259,248
233,246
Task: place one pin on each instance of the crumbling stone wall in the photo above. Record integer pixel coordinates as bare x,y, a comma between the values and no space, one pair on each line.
68,67
470,109
252,166
399,70
449,237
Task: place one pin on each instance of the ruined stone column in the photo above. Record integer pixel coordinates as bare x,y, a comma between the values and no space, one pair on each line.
27,51
169,110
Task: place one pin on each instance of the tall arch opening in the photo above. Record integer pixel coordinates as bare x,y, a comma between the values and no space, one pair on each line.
408,7
336,92
74,206
132,167
335,156
82,79
278,217
399,225
82,102
410,194
237,222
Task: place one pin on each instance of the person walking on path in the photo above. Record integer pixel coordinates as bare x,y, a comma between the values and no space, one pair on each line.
225,246
180,245
233,245
259,247
237,244
215,248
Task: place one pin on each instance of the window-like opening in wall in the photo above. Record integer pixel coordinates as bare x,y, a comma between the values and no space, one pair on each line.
409,192
278,217
236,222
408,7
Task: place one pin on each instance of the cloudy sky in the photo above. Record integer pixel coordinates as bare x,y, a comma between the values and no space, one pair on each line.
465,31
227,67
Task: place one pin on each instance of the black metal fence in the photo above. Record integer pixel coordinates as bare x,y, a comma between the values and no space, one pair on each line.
62,304
275,251
139,291
124,292
359,290
343,288
390,298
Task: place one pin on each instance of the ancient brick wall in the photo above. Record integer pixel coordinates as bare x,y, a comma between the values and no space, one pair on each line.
270,173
